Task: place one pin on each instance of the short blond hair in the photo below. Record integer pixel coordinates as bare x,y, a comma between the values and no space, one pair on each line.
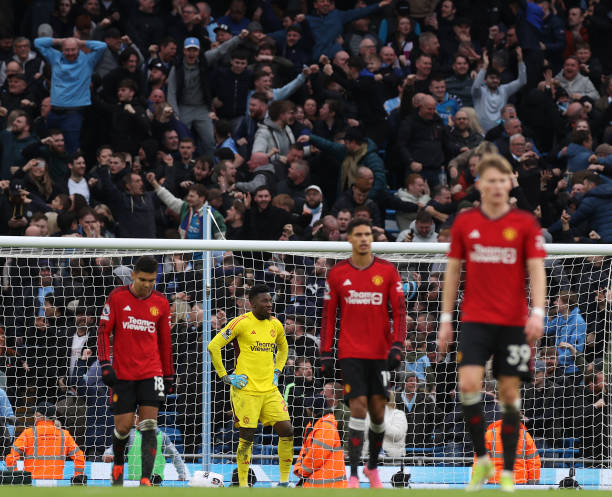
494,161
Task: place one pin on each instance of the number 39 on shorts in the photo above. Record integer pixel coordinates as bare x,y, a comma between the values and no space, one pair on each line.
519,355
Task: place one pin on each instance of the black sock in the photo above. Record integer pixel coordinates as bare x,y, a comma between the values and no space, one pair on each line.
375,440
119,449
355,449
474,422
149,451
510,435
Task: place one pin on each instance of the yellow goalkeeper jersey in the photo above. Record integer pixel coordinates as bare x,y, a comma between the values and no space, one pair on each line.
257,340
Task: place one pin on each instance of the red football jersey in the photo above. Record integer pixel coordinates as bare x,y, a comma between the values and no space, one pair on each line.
364,296
142,346
496,253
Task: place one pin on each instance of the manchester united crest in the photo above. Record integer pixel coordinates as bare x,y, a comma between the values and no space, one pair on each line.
272,333
377,279
509,234
245,420
154,311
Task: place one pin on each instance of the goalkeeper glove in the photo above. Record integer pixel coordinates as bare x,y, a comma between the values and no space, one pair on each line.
169,384
327,365
108,374
238,381
394,358
277,373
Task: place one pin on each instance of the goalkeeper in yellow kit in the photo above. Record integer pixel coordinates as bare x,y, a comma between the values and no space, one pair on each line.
254,393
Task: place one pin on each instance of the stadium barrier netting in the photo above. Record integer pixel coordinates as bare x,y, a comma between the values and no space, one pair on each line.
54,289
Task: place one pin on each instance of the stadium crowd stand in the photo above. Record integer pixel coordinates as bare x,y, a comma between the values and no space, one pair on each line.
126,118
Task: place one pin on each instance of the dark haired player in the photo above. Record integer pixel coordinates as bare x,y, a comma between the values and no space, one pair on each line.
142,370
501,246
364,286
254,384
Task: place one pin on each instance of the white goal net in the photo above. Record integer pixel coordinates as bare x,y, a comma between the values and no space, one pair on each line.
52,298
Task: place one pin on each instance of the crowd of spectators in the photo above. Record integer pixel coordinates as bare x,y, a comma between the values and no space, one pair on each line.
288,118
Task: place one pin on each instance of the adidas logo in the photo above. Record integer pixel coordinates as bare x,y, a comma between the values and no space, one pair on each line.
253,332
347,282
127,308
474,234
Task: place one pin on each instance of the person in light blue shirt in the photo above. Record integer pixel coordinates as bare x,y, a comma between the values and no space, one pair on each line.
489,96
71,71
567,326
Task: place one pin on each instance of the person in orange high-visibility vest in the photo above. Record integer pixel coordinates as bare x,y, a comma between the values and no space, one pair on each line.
45,447
527,464
321,460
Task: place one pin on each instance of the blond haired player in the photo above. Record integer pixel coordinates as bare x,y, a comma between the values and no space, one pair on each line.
501,246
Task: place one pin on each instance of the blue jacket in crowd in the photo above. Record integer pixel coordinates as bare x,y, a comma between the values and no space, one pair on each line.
571,330
596,207
326,29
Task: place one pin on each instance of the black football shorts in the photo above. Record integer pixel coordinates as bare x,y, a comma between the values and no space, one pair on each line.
507,344
364,377
126,395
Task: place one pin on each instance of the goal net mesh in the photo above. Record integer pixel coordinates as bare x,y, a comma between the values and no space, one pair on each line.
51,301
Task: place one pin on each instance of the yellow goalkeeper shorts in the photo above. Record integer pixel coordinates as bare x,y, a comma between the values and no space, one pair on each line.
269,408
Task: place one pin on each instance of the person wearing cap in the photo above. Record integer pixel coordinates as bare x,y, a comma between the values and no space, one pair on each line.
222,34
320,463
19,96
158,77
71,71
313,202
189,92
45,447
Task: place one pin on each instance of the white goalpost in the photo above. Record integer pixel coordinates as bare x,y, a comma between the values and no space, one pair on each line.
54,289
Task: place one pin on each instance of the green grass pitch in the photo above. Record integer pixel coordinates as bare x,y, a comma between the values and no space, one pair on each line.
16,491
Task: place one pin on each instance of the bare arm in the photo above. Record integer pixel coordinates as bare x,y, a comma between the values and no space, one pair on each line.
534,328
449,296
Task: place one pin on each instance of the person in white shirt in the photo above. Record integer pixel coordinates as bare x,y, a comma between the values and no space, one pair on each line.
77,182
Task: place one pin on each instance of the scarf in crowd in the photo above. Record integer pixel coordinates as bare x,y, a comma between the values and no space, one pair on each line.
350,165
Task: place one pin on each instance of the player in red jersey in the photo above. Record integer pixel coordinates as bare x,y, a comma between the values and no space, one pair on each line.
142,371
364,286
501,246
